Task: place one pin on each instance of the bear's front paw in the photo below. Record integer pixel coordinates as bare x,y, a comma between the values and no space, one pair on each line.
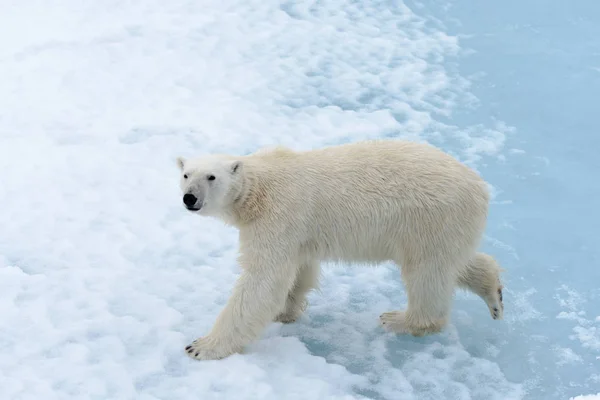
292,313
208,348
394,321
288,317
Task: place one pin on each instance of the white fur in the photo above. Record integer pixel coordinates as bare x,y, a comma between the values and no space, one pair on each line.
366,202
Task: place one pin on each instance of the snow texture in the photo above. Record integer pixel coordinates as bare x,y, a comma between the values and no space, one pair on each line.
104,277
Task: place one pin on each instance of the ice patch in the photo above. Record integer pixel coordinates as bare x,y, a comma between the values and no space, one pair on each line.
567,356
587,331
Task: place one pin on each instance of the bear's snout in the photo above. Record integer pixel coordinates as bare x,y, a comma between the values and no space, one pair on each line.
190,201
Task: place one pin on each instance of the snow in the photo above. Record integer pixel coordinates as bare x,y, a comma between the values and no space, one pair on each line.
587,397
105,278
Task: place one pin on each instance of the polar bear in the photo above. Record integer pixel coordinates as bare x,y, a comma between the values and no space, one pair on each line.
362,203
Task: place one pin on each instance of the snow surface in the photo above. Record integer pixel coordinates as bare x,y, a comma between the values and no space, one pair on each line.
105,278
587,397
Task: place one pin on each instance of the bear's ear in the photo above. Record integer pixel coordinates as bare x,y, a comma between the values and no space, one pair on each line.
181,162
235,166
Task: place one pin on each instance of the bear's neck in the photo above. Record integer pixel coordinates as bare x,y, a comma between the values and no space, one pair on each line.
250,201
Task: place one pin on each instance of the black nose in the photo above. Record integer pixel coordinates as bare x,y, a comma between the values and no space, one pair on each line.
189,199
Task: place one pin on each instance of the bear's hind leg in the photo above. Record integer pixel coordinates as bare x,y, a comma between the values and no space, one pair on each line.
430,289
481,276
306,280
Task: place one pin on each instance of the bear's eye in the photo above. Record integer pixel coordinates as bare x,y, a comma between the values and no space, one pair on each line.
211,178
185,176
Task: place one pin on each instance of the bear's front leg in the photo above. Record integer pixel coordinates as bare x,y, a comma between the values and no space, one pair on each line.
256,299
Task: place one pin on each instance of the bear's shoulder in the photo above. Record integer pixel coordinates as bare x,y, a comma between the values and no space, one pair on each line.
274,151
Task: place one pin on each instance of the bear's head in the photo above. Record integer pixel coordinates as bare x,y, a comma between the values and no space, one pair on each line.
210,184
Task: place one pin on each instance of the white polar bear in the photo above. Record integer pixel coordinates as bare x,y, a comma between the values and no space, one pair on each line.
367,202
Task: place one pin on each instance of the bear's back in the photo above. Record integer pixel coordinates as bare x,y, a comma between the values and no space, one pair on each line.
339,199
414,173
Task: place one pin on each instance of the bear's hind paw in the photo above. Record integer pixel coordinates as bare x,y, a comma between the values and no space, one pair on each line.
396,321
495,303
